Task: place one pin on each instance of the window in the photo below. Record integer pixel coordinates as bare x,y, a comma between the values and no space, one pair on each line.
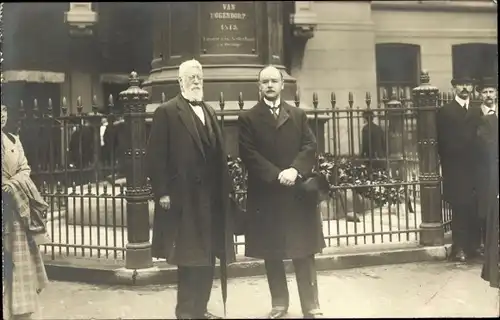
398,68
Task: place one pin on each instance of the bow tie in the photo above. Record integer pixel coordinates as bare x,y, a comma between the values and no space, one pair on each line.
195,103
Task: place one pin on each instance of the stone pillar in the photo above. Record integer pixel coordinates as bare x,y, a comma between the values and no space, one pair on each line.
138,250
425,99
340,56
232,40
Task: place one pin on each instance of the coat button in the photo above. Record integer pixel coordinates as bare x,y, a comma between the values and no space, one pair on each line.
198,179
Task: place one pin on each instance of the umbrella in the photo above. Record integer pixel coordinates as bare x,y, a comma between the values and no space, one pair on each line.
223,257
223,279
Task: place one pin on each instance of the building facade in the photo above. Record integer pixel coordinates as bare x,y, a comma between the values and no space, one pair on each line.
87,50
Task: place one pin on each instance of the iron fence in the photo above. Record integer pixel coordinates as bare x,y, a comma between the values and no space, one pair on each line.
77,162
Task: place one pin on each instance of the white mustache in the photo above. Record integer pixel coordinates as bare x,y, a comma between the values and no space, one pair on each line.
192,94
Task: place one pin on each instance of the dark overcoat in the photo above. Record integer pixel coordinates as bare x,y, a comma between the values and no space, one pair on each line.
373,146
372,141
282,222
487,196
458,149
176,167
82,139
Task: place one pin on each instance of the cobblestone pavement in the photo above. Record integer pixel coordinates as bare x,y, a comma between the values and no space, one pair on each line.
408,290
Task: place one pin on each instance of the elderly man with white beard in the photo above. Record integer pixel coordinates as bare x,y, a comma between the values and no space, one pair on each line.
191,185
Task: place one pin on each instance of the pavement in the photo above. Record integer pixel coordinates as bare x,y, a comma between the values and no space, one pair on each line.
426,289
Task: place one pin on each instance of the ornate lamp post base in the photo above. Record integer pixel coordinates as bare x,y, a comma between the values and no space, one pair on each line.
138,256
432,234
137,276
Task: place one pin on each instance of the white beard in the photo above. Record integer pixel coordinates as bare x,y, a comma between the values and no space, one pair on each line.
193,95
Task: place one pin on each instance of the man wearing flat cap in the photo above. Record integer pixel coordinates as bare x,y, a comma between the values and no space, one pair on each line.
457,124
487,179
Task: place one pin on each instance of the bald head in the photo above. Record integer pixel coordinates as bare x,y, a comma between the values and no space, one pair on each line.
270,70
271,82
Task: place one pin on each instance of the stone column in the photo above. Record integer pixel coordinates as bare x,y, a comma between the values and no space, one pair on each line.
232,40
425,99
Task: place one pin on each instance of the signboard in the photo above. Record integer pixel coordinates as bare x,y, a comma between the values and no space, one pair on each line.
228,27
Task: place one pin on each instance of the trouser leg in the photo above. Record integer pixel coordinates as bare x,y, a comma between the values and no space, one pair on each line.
307,283
203,285
193,291
185,295
459,226
276,278
474,230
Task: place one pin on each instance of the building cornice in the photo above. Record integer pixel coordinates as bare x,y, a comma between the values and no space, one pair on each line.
439,33
303,21
35,76
435,5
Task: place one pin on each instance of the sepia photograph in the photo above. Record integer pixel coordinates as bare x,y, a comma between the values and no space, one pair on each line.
250,160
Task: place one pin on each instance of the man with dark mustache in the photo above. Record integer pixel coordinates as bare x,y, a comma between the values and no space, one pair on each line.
277,147
457,124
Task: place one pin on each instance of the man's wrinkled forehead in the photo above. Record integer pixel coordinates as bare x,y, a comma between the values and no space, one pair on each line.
489,89
193,70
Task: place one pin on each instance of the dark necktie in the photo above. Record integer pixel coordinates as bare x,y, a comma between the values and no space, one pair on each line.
465,106
274,110
195,103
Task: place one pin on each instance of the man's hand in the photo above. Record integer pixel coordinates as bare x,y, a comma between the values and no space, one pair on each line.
287,177
6,188
165,202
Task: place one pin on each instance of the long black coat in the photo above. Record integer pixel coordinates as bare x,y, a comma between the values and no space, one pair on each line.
487,196
282,222
176,167
458,151
372,141
82,138
373,145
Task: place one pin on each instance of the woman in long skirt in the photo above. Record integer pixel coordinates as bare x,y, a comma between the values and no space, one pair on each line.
24,274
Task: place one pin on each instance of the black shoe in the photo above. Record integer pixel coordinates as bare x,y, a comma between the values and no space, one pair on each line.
277,313
458,256
313,314
476,253
208,315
